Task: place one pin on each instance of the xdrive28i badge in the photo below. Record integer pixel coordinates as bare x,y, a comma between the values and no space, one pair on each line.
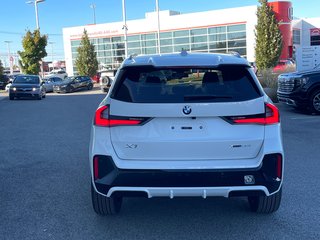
187,110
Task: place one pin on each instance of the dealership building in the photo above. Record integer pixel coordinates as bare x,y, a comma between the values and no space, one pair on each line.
216,31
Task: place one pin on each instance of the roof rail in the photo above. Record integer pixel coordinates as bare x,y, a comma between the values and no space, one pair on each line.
234,53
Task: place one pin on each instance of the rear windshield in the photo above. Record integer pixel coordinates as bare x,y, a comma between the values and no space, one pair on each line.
180,85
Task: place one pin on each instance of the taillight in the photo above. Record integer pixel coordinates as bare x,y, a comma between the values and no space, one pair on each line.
99,120
271,116
103,119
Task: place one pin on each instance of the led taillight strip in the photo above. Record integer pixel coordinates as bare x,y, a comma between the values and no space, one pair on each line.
100,120
266,120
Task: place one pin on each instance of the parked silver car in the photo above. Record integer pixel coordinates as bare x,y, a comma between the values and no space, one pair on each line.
49,82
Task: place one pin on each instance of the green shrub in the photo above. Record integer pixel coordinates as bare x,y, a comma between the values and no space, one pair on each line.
269,81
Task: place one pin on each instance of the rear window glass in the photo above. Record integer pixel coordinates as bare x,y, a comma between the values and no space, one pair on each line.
180,85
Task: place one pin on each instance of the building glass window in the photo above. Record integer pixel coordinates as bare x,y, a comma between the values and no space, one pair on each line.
199,46
164,42
151,50
133,44
133,38
296,36
148,36
134,51
236,28
236,35
216,45
199,39
219,39
166,35
181,40
217,30
168,49
237,43
200,31
179,48
315,40
117,39
94,41
182,33
75,42
149,43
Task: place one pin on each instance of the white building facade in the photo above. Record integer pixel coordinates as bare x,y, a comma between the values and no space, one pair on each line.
306,32
218,31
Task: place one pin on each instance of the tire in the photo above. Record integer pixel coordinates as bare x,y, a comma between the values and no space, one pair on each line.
265,204
39,97
11,97
44,96
90,86
106,81
314,102
69,89
105,205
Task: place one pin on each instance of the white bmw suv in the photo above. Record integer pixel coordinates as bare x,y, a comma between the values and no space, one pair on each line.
186,125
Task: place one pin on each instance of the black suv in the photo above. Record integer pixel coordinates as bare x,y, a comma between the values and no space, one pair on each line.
4,80
72,84
300,89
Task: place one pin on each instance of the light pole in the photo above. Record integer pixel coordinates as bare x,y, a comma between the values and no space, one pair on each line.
93,6
158,16
35,2
125,27
51,43
9,56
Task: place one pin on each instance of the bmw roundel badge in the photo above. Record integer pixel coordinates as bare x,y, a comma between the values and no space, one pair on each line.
187,110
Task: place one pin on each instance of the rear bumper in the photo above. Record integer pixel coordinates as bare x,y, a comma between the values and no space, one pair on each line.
109,180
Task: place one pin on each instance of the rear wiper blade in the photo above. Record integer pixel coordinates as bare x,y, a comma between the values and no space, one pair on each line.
205,97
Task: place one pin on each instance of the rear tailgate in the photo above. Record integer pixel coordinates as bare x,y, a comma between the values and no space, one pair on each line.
170,134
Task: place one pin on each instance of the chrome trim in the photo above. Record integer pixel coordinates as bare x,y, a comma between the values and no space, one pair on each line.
287,101
285,84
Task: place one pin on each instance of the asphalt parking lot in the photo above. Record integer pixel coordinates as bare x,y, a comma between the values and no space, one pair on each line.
45,183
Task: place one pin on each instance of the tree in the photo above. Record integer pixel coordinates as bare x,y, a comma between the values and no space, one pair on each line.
86,62
34,45
1,68
268,37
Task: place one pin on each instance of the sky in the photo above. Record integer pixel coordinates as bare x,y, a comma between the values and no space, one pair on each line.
16,16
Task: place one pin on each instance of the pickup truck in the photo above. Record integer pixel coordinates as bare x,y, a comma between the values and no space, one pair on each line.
300,89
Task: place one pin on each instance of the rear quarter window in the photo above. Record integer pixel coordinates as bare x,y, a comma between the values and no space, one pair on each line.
227,83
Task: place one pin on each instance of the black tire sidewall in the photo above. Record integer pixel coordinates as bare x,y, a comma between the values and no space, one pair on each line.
311,101
69,89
